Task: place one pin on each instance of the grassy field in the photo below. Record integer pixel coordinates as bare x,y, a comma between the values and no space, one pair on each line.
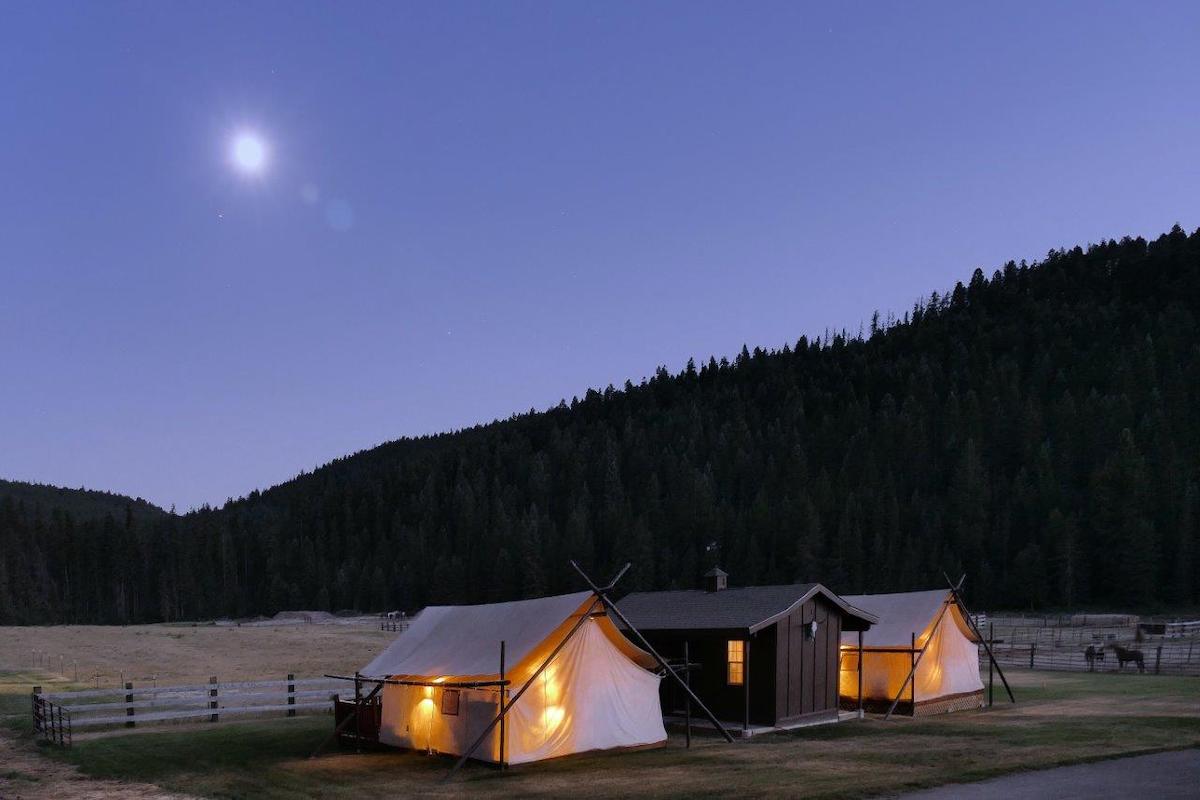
186,653
1062,718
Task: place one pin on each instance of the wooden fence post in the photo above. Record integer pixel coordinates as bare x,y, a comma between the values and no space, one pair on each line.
129,708
1157,658
1032,650
212,698
291,690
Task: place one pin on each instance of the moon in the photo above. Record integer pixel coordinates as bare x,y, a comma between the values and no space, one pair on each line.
249,153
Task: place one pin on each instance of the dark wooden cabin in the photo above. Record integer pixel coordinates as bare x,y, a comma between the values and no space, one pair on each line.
763,655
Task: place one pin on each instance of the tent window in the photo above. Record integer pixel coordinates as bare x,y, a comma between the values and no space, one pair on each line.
735,662
450,702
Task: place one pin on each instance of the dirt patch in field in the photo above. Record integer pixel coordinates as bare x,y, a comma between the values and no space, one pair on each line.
25,775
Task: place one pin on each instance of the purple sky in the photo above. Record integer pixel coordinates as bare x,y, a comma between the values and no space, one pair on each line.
472,209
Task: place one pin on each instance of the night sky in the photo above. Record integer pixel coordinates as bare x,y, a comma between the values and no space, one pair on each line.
449,212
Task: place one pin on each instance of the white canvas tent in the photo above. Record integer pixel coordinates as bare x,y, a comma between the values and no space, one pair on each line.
598,691
947,676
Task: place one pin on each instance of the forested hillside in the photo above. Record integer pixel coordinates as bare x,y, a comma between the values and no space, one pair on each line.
81,504
1036,429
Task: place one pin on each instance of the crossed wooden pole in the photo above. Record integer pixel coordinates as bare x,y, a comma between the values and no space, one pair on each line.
978,633
602,594
955,597
599,597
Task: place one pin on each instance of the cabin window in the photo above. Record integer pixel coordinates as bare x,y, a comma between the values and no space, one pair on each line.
735,662
450,702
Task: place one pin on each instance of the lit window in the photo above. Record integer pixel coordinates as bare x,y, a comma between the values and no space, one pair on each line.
450,702
735,666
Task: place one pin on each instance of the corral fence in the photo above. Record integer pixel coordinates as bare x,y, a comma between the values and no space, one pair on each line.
396,621
1159,659
394,625
59,716
1094,643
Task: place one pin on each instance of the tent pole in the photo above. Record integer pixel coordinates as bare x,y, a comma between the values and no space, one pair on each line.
357,708
434,684
912,672
912,655
991,656
991,679
503,730
504,707
860,674
353,716
687,701
746,687
975,629
611,606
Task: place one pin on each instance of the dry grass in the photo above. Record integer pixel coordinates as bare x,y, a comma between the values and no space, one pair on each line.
185,653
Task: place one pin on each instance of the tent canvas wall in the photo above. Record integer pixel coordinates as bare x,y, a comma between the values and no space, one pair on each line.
947,677
597,693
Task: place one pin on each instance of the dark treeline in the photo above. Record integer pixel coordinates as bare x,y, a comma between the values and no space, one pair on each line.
79,503
1036,429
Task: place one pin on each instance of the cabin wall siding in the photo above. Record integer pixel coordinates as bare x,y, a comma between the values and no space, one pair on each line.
806,671
792,677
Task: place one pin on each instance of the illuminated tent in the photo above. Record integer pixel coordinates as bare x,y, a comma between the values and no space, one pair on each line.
596,693
947,676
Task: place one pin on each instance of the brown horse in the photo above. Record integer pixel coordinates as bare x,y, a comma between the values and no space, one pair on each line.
1124,655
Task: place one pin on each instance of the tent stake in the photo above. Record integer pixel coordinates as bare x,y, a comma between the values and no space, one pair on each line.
504,707
611,606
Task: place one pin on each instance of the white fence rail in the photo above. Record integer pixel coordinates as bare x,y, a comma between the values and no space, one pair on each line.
133,706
